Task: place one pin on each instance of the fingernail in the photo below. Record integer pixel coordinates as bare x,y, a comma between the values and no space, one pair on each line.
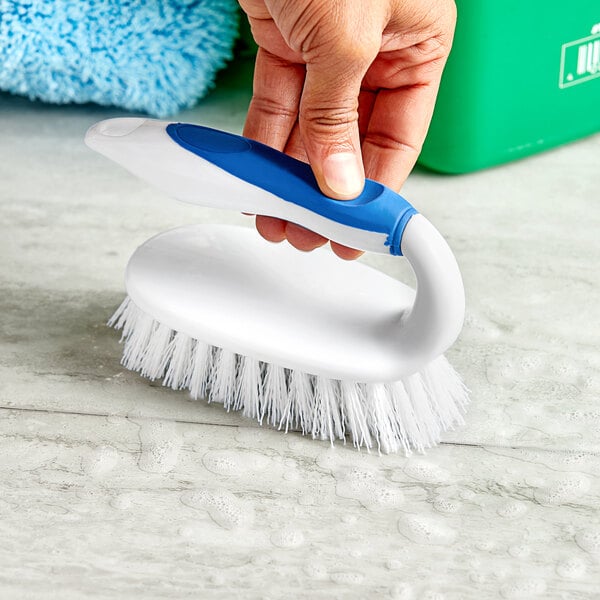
343,174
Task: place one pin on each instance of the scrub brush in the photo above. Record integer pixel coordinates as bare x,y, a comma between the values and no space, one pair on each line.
296,340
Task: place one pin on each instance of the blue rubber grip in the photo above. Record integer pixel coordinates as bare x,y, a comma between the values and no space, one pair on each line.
378,208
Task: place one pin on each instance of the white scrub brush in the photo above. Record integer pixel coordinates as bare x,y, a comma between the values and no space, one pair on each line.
298,340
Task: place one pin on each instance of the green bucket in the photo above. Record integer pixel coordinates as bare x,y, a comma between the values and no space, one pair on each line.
523,76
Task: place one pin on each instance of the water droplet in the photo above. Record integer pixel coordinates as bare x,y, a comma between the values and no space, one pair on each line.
571,568
519,551
292,475
306,500
231,462
217,579
426,530
193,531
567,489
523,588
287,538
401,591
446,505
426,471
589,539
220,463
512,509
348,519
347,577
477,577
315,570
223,507
160,445
431,595
486,545
121,502
370,490
100,461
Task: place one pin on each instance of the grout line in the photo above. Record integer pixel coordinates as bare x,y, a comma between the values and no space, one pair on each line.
187,422
517,447
106,415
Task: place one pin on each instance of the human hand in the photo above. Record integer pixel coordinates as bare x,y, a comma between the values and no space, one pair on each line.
349,86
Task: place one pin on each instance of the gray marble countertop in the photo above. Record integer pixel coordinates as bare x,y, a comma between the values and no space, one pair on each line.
114,487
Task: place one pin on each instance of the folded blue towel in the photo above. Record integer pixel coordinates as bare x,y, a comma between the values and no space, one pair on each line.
156,56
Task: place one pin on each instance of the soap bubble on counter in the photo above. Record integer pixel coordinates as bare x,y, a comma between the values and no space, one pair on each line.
523,588
222,506
426,530
571,567
287,538
589,539
426,471
100,461
512,509
371,490
160,445
565,489
122,501
347,577
234,462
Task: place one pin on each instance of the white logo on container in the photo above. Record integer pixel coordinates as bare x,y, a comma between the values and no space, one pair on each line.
580,59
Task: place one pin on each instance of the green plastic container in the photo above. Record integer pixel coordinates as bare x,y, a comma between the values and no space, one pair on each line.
523,76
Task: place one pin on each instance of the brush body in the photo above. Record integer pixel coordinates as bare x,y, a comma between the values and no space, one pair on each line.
298,340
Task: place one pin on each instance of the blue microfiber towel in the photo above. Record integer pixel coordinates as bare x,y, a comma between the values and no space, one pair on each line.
154,56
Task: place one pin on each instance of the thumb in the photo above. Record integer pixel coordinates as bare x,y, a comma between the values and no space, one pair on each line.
328,122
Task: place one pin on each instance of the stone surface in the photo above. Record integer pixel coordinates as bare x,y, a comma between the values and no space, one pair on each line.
112,486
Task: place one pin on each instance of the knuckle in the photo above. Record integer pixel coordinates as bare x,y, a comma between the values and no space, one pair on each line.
327,117
386,142
272,108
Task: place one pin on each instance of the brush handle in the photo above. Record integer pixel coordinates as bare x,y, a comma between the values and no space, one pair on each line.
212,168
377,209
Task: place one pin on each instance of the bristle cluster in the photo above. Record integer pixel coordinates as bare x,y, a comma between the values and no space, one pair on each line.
408,414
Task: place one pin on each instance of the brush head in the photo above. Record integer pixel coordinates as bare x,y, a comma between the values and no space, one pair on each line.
300,341
310,312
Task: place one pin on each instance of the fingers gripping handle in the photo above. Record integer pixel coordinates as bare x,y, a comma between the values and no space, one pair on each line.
214,168
378,209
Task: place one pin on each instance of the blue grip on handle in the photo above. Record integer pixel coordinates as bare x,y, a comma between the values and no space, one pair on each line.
378,208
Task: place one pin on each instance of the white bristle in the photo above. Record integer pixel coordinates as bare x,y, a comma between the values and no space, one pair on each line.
381,416
353,406
406,417
122,315
248,393
287,416
301,401
274,394
153,363
327,418
448,390
429,426
200,369
223,376
179,357
398,416
138,335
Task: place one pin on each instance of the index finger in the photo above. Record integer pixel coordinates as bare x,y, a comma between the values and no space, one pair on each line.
273,110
